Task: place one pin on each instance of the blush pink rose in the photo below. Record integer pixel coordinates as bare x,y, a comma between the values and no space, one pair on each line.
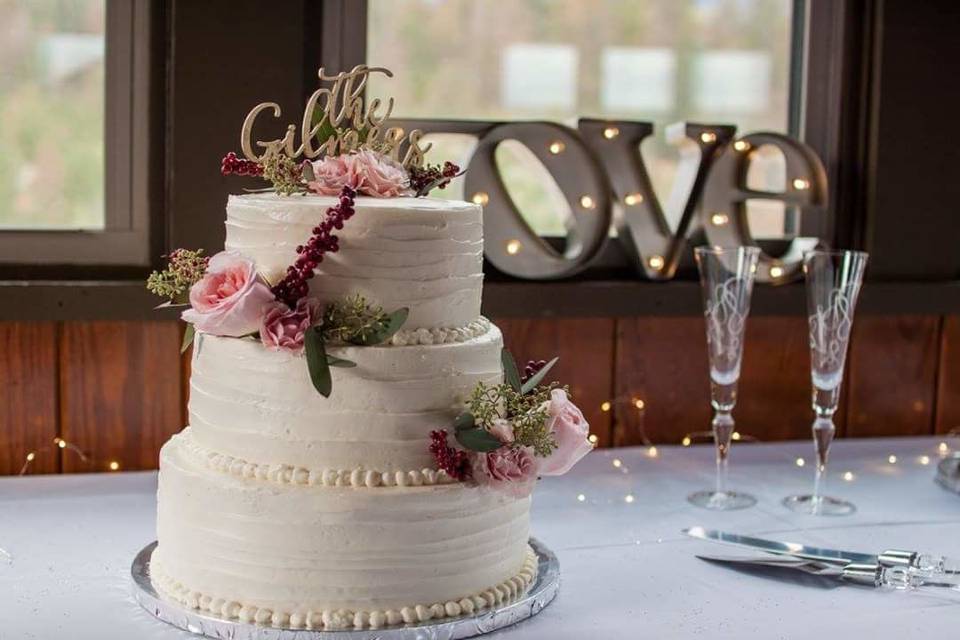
366,171
383,177
512,470
570,431
284,328
333,173
230,298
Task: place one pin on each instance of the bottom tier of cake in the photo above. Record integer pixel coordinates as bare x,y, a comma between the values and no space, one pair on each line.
322,557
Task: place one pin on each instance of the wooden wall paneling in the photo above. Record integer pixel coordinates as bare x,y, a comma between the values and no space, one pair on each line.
585,347
947,417
662,361
120,391
774,394
28,412
891,375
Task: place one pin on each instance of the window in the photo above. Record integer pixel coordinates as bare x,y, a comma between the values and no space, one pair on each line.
73,138
715,61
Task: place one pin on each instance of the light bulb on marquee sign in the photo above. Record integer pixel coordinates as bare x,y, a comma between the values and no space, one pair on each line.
598,165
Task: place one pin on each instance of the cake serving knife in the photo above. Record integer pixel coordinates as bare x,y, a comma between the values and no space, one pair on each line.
901,577
925,562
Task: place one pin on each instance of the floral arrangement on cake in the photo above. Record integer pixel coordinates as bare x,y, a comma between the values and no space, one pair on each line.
514,432
227,296
346,150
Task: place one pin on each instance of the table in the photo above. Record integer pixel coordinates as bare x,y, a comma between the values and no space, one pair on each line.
614,522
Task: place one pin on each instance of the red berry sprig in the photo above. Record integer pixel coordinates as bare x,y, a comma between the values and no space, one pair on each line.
451,460
231,164
294,285
423,179
533,368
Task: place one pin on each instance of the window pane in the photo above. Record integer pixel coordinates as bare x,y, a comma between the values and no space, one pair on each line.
717,61
51,114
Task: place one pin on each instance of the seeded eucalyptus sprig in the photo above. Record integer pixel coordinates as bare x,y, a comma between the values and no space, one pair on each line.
523,404
352,321
184,269
355,321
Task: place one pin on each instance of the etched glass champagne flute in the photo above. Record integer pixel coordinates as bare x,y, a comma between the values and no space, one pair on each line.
726,280
833,284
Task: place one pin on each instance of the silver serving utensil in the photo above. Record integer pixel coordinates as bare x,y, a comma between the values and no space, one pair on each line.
927,564
835,556
871,575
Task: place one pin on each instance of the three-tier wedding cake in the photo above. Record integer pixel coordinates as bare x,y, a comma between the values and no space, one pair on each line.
338,339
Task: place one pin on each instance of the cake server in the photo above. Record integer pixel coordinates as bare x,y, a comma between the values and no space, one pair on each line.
901,577
933,564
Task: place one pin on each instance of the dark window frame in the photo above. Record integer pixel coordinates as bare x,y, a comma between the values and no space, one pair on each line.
125,243
195,116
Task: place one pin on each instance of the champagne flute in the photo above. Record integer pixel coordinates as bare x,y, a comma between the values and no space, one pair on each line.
726,279
833,285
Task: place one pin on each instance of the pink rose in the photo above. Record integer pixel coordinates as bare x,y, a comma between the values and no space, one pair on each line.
512,470
570,431
333,173
383,177
284,328
229,299
502,430
369,172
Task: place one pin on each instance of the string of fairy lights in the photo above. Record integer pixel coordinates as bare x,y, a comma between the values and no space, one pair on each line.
615,405
58,444
637,404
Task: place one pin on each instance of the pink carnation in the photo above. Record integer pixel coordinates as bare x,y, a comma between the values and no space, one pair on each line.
285,328
512,470
366,171
230,298
570,431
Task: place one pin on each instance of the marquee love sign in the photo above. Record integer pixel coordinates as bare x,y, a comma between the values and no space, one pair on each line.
599,164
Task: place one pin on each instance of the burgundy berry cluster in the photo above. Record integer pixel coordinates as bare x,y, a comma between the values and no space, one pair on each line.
294,285
533,368
423,179
231,164
451,460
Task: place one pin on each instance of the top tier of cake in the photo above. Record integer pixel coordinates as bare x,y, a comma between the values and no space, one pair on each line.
421,253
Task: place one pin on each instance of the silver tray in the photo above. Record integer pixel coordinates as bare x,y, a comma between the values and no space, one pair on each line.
948,473
202,623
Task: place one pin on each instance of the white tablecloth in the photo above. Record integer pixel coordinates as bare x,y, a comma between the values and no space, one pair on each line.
627,570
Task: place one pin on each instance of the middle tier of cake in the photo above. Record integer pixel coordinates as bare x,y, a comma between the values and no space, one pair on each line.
254,411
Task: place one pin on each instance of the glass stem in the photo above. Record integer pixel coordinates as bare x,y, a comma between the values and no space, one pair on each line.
723,427
823,430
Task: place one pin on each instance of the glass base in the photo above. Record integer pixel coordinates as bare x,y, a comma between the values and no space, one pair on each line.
725,501
822,506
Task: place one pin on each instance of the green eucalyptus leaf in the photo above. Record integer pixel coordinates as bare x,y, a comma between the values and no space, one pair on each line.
317,364
464,421
385,331
188,335
326,130
510,372
306,172
478,439
537,378
334,361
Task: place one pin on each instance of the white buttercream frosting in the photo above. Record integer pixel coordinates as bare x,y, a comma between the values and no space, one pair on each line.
302,617
440,335
288,474
292,549
421,253
250,403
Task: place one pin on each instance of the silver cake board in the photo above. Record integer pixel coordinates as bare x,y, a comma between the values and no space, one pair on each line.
529,604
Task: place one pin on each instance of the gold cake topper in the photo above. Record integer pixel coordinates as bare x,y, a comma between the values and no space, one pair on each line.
336,121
